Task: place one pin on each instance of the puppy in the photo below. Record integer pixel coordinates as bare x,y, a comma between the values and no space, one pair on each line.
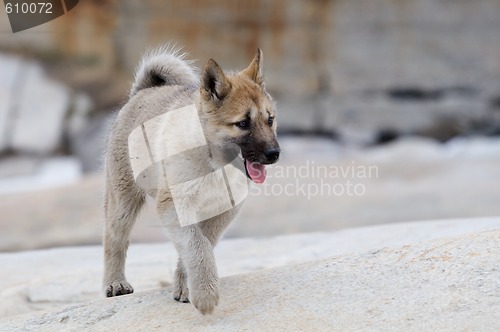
237,118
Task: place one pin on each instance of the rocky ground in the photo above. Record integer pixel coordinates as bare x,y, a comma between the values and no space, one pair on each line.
361,75
438,275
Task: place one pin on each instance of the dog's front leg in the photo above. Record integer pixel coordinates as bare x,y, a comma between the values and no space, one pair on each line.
197,256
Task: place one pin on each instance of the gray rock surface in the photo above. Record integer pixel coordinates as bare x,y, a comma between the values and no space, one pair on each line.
25,174
17,166
88,142
10,67
39,115
77,120
444,284
30,282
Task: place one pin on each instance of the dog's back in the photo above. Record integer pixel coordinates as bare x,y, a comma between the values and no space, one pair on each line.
164,81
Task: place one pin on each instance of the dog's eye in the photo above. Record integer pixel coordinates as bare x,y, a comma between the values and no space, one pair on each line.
244,124
270,121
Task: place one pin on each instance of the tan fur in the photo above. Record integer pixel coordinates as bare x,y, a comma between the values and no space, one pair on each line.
165,82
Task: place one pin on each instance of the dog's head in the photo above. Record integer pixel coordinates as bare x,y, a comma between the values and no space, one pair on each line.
237,110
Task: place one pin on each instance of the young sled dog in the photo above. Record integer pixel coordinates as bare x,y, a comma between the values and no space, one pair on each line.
233,109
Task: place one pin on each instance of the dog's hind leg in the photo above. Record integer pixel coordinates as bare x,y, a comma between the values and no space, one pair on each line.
121,210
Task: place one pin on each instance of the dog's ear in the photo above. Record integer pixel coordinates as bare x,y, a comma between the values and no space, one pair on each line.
214,81
254,70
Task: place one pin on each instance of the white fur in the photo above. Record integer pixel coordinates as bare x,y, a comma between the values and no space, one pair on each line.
164,82
167,62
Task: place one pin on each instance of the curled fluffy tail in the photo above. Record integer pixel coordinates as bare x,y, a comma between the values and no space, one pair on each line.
163,66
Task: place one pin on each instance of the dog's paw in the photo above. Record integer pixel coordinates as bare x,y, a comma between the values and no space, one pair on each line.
117,288
205,300
181,292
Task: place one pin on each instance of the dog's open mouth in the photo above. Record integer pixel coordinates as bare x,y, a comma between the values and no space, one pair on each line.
255,171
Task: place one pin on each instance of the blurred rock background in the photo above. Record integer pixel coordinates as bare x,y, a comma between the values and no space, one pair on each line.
410,86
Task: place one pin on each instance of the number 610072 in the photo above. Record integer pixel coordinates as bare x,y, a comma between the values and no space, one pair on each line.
29,8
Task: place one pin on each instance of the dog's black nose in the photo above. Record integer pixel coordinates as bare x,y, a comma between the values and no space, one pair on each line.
272,154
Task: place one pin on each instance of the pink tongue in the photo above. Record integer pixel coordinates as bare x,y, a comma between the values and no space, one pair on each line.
257,171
